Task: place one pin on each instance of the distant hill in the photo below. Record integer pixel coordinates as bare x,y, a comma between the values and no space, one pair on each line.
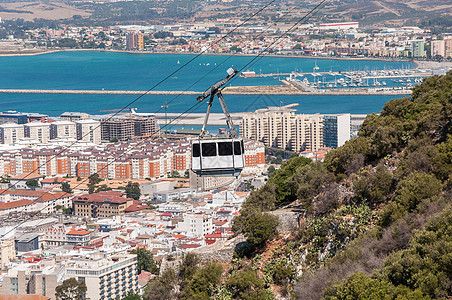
394,12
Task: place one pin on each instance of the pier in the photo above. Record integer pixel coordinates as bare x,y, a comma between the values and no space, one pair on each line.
286,89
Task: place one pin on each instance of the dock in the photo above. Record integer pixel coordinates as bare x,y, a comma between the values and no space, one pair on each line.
286,89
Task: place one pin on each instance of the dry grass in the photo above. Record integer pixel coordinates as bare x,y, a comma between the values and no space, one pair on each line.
31,10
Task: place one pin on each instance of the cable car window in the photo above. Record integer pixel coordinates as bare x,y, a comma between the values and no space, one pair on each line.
225,148
243,147
209,149
196,151
237,148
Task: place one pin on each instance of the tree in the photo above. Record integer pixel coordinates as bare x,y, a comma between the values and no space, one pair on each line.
132,296
247,285
270,170
162,287
203,281
94,179
32,183
71,289
146,261
259,228
67,210
133,190
114,140
66,187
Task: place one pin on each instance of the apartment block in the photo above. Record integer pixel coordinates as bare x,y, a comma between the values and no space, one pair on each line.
336,130
102,204
196,225
38,131
88,131
63,129
13,117
128,127
106,278
11,133
280,127
41,279
74,116
7,252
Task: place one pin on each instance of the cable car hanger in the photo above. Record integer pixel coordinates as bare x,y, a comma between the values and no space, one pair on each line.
218,155
215,90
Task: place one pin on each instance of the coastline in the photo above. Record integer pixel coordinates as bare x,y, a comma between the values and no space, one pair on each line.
48,51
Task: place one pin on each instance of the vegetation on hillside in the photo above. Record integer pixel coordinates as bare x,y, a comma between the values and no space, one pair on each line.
375,222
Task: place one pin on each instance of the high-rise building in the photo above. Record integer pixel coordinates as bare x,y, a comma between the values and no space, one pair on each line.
11,133
280,127
62,129
13,117
88,131
336,130
417,48
38,131
135,41
106,278
119,128
73,116
128,127
438,48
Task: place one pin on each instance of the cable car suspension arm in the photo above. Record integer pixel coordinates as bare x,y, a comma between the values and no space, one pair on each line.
215,90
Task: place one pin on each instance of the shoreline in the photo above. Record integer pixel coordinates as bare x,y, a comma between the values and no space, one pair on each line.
44,51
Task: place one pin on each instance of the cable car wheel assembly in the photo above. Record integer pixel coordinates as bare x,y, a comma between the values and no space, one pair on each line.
218,155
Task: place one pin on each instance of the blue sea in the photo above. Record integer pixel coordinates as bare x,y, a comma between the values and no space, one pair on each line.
95,70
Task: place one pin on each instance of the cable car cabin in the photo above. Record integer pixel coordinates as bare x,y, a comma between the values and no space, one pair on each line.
218,156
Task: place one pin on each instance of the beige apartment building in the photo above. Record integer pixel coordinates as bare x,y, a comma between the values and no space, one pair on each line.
88,131
280,127
62,129
38,131
7,252
11,133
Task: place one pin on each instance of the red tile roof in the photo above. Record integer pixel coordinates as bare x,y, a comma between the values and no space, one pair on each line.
190,246
74,231
179,236
13,204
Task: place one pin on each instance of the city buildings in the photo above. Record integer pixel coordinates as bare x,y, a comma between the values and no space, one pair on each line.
109,276
134,41
38,131
102,204
105,278
336,130
73,116
62,129
13,117
128,127
417,48
280,127
88,131
11,133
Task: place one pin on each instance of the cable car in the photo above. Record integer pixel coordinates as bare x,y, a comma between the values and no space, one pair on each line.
218,155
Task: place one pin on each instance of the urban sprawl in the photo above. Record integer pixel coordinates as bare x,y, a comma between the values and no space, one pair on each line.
329,39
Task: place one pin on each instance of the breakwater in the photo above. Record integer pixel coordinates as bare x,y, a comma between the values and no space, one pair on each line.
236,90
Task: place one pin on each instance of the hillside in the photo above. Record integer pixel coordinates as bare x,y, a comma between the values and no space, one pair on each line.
395,13
374,221
435,14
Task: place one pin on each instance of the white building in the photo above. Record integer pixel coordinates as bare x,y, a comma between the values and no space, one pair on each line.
88,131
196,225
336,130
105,278
63,129
339,26
38,131
11,133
